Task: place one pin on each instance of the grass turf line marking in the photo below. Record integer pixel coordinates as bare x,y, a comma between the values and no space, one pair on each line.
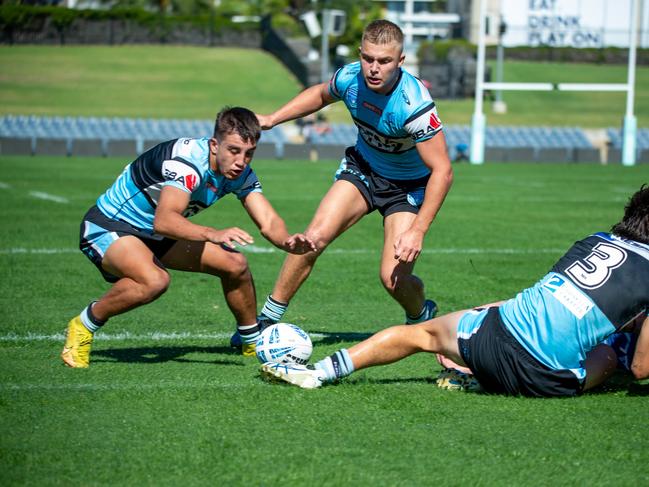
48,197
271,250
126,336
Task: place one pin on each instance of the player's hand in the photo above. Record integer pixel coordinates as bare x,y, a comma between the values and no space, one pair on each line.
299,244
447,363
265,121
408,245
231,237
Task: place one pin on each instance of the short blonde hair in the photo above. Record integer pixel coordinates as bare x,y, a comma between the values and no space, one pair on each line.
382,32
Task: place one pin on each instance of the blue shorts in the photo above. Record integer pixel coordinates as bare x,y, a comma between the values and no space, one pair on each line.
383,194
502,365
98,232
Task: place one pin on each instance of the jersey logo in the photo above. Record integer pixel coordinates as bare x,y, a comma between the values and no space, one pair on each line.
405,97
434,121
568,295
378,141
190,182
180,172
373,108
352,96
595,270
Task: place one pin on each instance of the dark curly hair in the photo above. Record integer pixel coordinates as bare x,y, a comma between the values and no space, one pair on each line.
237,120
635,223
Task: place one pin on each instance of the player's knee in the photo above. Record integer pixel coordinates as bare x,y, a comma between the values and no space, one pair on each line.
236,268
319,238
389,280
154,285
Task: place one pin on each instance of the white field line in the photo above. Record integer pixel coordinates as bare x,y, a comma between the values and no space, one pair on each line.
4,185
125,336
49,197
271,250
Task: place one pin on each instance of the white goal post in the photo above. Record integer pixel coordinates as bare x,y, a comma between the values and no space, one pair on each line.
629,127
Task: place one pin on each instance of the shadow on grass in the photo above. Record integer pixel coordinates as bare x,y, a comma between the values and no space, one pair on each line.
329,337
156,355
622,382
406,380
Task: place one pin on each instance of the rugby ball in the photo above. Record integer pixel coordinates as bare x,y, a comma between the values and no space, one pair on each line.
284,343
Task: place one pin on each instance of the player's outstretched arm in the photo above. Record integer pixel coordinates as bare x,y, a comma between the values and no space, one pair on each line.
408,245
640,364
308,101
170,222
273,227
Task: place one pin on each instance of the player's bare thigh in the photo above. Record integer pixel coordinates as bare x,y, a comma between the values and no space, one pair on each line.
442,335
341,207
129,257
207,257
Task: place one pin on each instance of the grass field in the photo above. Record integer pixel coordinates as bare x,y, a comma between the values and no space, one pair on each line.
166,402
194,82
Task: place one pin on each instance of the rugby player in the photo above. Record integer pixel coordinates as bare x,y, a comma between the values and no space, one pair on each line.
139,228
399,166
549,340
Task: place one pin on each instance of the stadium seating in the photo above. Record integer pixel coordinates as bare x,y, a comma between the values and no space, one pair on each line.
615,151
116,136
103,136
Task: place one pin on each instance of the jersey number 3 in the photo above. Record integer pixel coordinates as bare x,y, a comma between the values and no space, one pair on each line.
595,270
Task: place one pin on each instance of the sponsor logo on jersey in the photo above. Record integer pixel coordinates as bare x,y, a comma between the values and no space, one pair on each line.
352,96
569,296
381,142
373,108
434,121
190,182
181,173
404,95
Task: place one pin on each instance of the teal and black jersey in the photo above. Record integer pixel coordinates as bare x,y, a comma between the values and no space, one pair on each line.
388,125
181,163
594,290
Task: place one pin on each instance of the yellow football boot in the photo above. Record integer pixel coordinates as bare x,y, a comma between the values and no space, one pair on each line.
76,351
249,349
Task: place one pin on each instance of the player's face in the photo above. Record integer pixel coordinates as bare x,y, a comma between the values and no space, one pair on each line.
380,64
231,156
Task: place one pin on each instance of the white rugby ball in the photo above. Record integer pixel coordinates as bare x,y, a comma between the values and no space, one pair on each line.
284,343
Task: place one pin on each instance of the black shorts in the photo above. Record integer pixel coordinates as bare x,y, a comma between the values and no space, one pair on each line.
98,232
383,194
503,366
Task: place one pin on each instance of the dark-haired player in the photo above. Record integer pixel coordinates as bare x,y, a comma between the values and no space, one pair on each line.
546,341
139,227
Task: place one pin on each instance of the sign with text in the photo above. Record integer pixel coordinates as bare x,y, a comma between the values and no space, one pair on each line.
566,23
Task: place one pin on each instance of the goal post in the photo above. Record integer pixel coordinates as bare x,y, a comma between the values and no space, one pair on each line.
629,125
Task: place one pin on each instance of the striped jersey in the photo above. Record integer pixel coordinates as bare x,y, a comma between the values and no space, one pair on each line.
389,125
181,163
599,285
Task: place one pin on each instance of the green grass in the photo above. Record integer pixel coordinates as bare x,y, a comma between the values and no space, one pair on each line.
139,81
161,410
194,82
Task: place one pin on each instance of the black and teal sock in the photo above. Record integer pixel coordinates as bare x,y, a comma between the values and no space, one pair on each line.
273,310
249,333
422,316
337,365
89,320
